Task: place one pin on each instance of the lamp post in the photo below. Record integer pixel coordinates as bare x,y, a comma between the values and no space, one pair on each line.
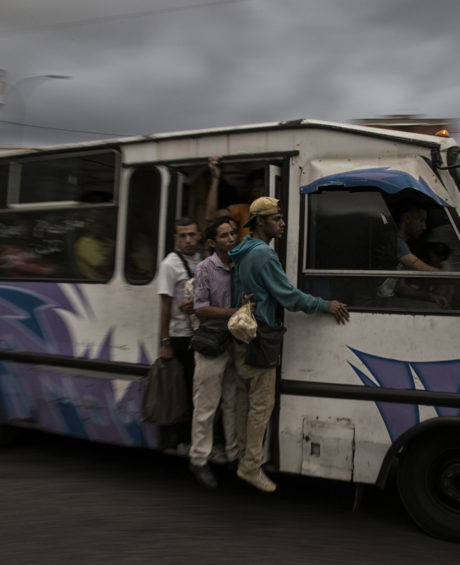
20,91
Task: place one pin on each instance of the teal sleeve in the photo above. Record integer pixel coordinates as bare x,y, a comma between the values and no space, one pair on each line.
278,286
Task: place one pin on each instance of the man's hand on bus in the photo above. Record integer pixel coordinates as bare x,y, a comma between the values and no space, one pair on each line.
339,311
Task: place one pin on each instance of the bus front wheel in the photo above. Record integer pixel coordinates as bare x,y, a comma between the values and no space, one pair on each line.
429,483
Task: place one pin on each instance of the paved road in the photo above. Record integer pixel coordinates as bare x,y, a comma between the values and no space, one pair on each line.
70,502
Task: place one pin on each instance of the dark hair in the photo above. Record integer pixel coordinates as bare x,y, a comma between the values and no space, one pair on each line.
185,221
407,205
211,231
251,224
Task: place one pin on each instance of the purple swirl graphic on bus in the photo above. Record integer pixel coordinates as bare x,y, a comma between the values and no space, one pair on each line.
64,401
69,402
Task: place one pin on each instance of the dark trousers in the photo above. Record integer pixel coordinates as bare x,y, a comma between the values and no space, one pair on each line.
184,354
172,435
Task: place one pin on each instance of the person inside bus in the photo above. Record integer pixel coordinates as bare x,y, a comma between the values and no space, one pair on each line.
94,251
176,329
410,217
436,254
238,211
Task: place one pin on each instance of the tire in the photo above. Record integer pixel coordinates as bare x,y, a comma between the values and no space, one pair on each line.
429,483
9,435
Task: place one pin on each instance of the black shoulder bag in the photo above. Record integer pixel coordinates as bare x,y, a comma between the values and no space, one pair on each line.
207,342
211,343
265,349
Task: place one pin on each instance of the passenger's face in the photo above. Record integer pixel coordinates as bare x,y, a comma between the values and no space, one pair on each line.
416,222
226,238
274,225
187,239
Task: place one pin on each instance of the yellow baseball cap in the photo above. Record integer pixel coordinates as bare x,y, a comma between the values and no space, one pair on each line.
263,206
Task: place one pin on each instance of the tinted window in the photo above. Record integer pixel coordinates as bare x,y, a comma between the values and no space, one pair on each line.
354,233
83,178
142,226
72,244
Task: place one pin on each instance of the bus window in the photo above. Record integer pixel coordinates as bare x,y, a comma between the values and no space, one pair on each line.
62,179
94,250
142,226
353,235
58,217
3,185
52,244
453,160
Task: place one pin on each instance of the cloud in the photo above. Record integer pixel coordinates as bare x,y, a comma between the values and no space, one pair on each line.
155,65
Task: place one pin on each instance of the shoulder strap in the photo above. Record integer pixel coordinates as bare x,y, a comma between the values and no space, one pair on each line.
186,266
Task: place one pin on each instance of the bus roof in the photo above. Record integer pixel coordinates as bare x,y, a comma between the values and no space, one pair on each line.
402,136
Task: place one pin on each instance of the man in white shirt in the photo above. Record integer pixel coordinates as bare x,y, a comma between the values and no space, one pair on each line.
175,270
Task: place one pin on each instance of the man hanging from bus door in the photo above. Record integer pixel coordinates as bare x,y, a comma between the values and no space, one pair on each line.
214,380
174,271
258,271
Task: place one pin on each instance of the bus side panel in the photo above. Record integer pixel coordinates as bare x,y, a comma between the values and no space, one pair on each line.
372,351
113,322
69,404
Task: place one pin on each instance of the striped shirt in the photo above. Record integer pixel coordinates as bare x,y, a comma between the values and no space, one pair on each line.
213,287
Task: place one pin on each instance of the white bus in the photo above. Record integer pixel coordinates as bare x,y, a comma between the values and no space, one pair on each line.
76,343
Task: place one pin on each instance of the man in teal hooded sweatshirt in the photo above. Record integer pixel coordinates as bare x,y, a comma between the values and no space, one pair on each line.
258,271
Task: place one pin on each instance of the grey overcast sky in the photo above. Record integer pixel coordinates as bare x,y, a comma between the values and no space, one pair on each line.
147,66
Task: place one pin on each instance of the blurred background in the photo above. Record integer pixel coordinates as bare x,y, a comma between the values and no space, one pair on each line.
99,69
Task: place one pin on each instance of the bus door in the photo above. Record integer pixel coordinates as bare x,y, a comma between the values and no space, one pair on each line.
273,187
273,174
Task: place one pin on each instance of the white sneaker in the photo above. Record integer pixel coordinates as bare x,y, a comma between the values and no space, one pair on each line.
257,479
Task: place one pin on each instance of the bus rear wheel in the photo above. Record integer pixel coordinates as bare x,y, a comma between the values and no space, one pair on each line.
429,483
9,435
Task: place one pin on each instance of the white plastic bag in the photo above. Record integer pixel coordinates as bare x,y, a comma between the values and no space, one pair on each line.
242,324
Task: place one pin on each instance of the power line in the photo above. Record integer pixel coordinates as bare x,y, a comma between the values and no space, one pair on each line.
8,122
129,15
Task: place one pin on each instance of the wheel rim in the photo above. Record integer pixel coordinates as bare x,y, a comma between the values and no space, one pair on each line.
446,475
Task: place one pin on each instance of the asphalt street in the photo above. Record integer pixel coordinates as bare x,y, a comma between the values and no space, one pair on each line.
69,502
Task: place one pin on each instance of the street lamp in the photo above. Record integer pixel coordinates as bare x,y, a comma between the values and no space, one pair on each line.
22,90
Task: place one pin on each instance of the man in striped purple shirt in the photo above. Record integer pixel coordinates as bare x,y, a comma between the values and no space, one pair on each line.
214,378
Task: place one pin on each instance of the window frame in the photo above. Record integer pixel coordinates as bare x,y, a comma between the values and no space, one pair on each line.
67,206
159,195
305,273
15,163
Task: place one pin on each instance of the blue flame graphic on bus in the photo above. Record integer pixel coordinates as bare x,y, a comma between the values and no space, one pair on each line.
436,376
387,179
